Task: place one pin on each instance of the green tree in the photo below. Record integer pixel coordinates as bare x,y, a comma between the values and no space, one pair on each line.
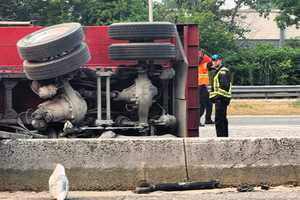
21,10
87,12
215,34
289,12
106,12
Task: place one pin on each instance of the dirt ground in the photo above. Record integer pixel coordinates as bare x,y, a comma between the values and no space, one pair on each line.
264,107
275,193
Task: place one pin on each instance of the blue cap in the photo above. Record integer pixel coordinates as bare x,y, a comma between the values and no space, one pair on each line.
216,57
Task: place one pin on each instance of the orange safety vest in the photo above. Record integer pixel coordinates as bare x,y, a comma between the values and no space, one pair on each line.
203,78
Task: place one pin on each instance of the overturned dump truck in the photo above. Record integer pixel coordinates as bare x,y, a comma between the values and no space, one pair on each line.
137,79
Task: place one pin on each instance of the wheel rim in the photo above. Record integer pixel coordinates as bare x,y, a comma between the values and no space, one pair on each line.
48,34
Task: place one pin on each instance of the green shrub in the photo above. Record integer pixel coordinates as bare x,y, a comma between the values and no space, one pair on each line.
265,65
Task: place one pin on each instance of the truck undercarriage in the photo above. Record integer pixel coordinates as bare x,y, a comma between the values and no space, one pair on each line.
142,96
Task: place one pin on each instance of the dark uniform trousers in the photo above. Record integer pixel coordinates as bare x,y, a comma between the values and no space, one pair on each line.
205,104
221,121
221,95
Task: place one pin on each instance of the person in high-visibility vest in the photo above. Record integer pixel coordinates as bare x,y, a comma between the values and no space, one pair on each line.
203,82
220,95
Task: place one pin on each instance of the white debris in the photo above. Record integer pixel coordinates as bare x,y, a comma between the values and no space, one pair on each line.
58,183
108,134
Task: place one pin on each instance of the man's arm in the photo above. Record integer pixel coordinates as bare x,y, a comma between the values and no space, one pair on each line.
224,79
209,66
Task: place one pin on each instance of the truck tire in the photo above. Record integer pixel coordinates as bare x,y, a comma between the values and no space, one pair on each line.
59,66
141,31
50,42
142,51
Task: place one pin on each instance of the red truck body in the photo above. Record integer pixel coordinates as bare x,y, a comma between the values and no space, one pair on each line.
98,41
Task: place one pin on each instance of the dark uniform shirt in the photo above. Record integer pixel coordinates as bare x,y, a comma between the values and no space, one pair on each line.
225,82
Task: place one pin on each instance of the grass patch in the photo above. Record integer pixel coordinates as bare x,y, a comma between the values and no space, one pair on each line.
264,107
296,104
246,106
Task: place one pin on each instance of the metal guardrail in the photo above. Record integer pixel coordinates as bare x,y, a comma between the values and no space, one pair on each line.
266,91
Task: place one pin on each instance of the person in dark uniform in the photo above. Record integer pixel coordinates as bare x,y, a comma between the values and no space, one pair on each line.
220,95
203,82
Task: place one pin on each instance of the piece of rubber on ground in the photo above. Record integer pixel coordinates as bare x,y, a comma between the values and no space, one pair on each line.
245,188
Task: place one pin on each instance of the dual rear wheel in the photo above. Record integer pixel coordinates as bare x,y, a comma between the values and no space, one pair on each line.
57,50
141,36
53,51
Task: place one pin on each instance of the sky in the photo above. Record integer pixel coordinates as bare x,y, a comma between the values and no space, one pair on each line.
229,4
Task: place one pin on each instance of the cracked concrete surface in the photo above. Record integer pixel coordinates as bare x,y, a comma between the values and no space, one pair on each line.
276,193
118,164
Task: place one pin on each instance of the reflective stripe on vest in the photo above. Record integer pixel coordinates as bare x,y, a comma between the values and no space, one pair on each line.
216,89
203,78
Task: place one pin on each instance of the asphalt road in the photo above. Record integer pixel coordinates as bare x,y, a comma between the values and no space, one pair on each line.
258,126
278,193
264,120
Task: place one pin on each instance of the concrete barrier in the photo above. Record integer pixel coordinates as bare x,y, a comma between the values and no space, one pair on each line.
90,164
118,164
252,160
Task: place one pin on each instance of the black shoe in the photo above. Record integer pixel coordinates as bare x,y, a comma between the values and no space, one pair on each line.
200,124
209,122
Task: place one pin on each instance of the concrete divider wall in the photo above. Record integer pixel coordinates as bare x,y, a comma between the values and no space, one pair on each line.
118,164
90,164
253,160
